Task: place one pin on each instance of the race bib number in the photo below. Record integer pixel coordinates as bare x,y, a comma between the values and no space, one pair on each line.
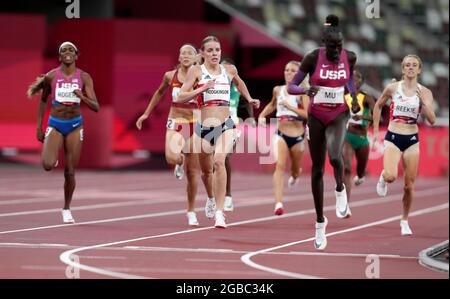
48,131
64,93
406,110
221,92
329,95
170,125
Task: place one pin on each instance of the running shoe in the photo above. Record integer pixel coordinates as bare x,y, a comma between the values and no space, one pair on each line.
320,241
220,220
179,171
279,210
406,230
192,219
67,216
381,186
293,181
349,213
358,181
342,207
228,205
210,207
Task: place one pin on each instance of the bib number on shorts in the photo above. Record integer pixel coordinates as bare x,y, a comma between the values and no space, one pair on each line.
170,125
48,131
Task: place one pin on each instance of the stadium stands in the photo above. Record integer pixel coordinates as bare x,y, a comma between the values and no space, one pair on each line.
405,26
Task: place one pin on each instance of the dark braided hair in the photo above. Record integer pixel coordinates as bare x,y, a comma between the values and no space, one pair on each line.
36,86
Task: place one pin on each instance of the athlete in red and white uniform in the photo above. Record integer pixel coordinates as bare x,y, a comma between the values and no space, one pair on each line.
178,147
215,132
289,137
409,100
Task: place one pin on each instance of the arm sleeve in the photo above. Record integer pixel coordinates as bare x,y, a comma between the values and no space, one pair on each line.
293,87
351,86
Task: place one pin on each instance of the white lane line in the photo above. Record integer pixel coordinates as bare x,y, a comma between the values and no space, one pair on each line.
191,250
89,195
29,200
246,259
65,257
120,183
97,206
43,268
232,251
147,198
143,198
155,198
47,195
96,194
184,271
337,254
194,260
102,257
39,245
143,216
175,249
249,202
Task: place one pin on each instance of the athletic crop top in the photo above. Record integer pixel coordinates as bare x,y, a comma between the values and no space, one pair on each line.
176,87
284,113
331,79
220,94
63,87
404,109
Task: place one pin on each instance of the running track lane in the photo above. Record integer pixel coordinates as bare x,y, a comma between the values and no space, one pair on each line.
215,253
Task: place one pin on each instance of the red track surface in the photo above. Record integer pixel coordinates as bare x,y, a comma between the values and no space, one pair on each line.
133,224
